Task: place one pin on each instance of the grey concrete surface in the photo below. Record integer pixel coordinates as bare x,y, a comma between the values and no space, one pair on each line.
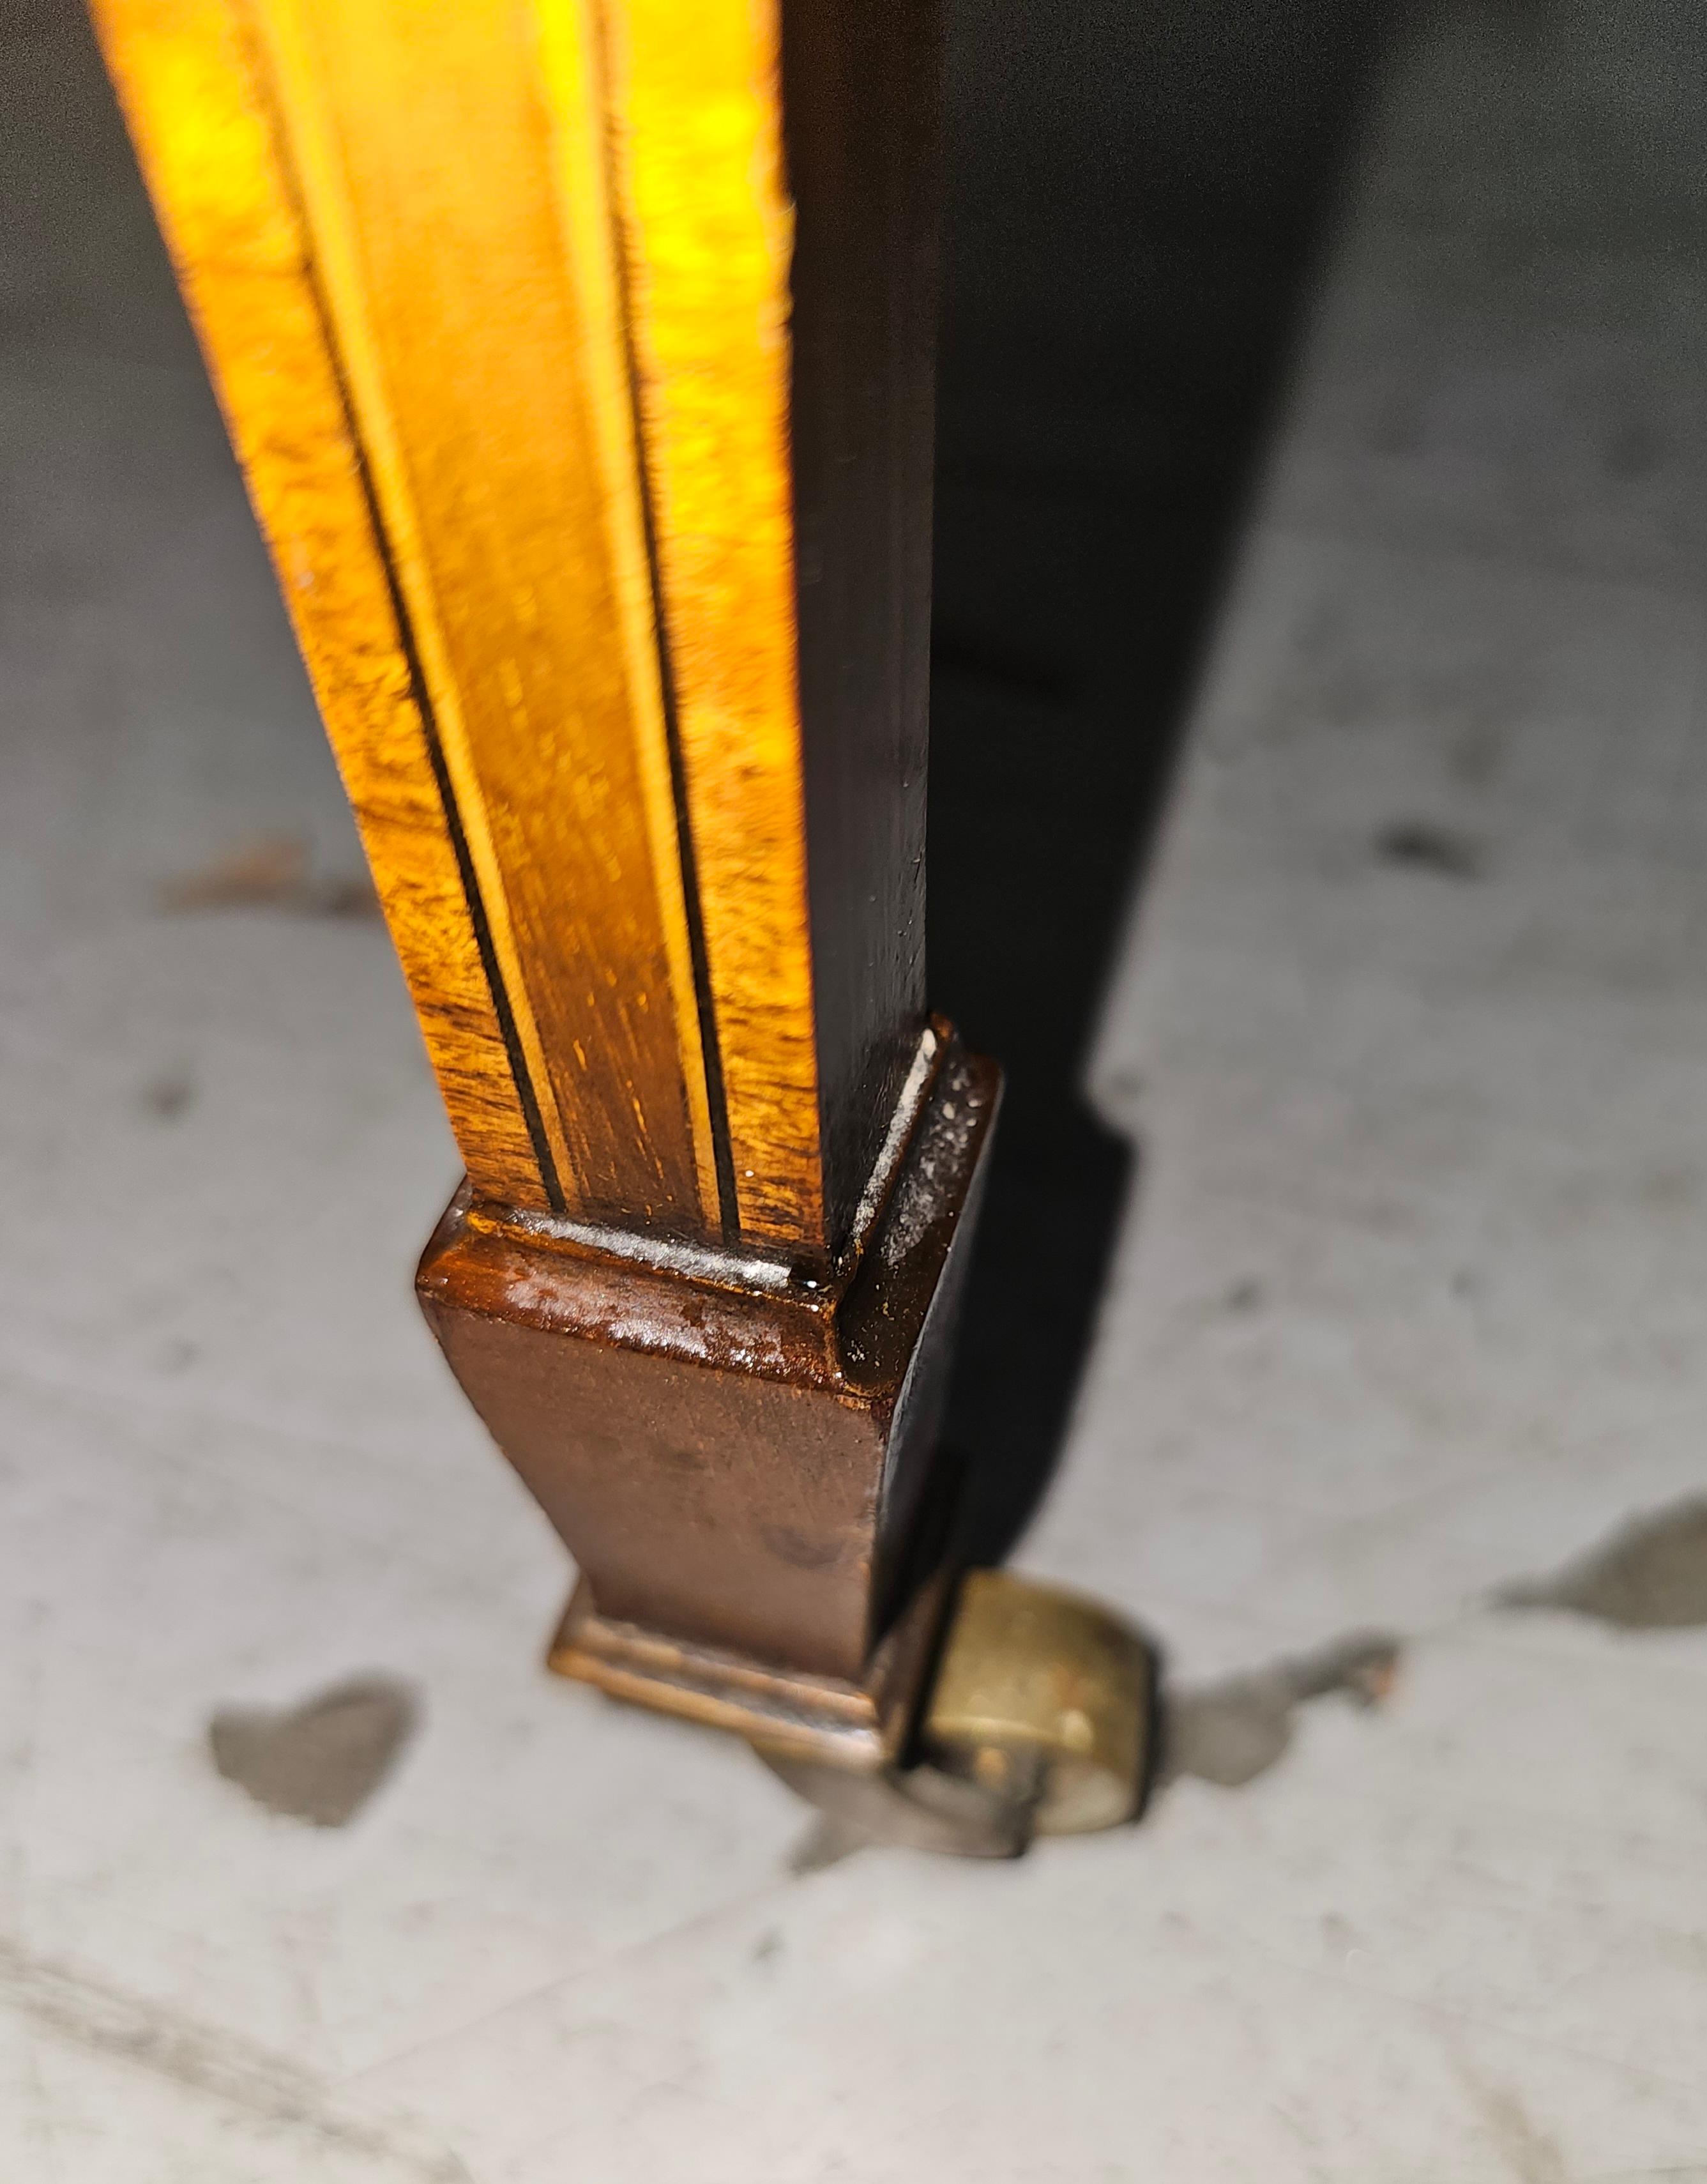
1412,1308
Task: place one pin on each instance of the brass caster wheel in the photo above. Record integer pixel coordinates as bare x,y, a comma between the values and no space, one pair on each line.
1041,1720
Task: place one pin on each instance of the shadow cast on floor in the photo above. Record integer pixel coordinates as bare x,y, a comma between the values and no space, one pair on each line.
1138,200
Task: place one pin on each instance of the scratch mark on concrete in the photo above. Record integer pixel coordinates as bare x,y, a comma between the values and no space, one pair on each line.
105,2021
1532,2156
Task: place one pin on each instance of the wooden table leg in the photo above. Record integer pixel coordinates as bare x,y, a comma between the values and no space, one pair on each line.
579,357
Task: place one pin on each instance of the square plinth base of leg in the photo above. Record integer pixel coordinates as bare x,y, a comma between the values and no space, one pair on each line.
743,1455
816,1716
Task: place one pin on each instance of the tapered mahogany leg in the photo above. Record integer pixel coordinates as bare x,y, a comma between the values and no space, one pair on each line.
578,354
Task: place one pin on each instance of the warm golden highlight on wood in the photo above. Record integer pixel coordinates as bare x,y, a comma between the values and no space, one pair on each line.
695,94
496,298
578,354
424,149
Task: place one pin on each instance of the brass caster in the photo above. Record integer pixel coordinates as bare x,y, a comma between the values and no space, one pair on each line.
1041,1720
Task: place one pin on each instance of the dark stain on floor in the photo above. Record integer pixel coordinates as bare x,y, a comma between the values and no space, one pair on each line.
321,1761
1229,1733
270,872
1427,847
169,1095
1650,1575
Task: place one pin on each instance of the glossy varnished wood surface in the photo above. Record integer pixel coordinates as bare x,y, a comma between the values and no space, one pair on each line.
187,74
862,88
436,158
578,353
746,1468
697,156
428,206
578,356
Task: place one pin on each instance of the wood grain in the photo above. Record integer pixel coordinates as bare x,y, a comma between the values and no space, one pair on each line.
696,135
187,77
499,300
426,148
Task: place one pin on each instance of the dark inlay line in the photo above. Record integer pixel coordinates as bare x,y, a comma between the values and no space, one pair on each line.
525,1089
711,1052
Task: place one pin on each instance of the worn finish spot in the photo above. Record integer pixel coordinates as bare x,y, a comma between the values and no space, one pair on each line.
1652,1575
1430,848
320,1761
800,1550
1229,1733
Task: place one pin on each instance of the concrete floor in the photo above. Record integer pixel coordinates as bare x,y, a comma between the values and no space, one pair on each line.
1411,1307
